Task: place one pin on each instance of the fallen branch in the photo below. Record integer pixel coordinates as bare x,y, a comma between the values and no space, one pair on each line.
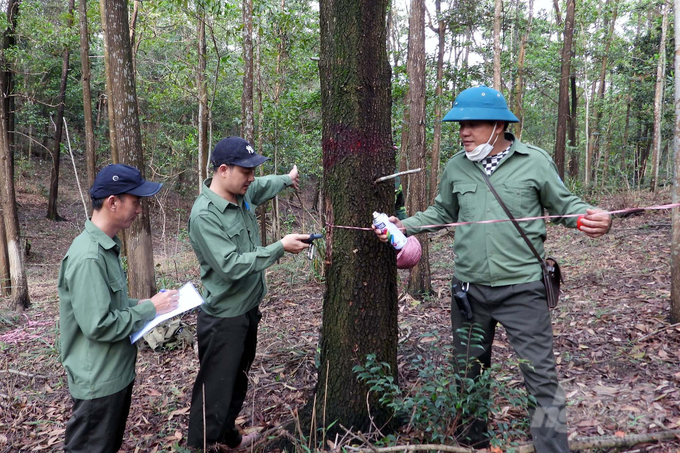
589,443
423,447
385,178
24,374
670,326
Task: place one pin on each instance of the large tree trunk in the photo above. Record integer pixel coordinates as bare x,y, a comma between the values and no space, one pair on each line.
658,98
438,101
59,120
10,215
675,235
247,119
563,103
103,5
519,81
419,278
360,303
141,281
202,83
498,6
90,154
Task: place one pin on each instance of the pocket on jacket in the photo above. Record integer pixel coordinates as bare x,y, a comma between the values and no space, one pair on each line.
467,201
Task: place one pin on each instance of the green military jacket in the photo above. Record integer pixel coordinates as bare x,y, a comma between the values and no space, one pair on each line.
495,254
96,316
226,239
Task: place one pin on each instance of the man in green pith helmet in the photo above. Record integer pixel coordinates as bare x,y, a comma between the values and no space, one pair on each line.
493,264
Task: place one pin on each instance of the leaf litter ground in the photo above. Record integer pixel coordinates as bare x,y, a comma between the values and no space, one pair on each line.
617,353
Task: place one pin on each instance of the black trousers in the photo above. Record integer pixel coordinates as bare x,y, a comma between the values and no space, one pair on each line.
226,349
97,425
523,311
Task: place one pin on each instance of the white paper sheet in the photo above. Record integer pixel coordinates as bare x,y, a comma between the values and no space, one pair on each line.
188,299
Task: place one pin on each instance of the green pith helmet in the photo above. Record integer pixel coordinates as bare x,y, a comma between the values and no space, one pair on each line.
480,104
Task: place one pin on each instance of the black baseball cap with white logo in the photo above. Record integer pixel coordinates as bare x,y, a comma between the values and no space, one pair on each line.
236,151
116,179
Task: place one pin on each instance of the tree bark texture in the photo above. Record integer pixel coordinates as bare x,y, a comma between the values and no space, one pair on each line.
90,153
19,284
247,117
107,71
439,100
141,281
360,303
675,232
419,277
201,81
563,103
498,6
658,98
59,125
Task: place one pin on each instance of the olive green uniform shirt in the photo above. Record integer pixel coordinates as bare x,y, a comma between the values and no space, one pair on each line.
226,239
96,316
495,254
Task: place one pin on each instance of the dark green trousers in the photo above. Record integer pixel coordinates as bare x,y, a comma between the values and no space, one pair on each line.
226,349
98,425
523,312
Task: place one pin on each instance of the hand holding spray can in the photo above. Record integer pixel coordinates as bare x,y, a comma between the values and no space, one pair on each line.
394,234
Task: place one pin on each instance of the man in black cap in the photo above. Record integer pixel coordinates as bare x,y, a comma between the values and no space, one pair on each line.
225,236
96,316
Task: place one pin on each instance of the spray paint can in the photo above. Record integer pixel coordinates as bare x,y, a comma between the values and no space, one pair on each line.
394,234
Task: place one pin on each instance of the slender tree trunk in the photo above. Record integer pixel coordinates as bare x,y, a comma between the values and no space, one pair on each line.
247,119
624,150
595,132
519,81
19,285
107,71
419,278
90,153
563,103
498,6
141,281
202,83
278,86
439,100
360,303
658,99
262,209
571,125
133,32
52,213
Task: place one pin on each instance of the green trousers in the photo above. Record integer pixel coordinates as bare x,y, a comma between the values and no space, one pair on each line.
523,312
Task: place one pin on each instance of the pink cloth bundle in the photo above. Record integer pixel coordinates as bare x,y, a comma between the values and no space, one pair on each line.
410,254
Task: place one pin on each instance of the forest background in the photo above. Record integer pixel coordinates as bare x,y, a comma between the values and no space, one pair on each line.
592,83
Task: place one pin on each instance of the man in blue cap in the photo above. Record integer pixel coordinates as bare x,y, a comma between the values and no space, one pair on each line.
493,264
96,316
225,236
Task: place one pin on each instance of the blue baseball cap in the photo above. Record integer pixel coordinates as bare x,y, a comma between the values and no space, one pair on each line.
116,179
480,104
236,151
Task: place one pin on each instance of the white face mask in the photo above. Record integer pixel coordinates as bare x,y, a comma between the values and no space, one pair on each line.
483,150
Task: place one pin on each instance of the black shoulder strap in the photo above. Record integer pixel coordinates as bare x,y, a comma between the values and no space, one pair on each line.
511,217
